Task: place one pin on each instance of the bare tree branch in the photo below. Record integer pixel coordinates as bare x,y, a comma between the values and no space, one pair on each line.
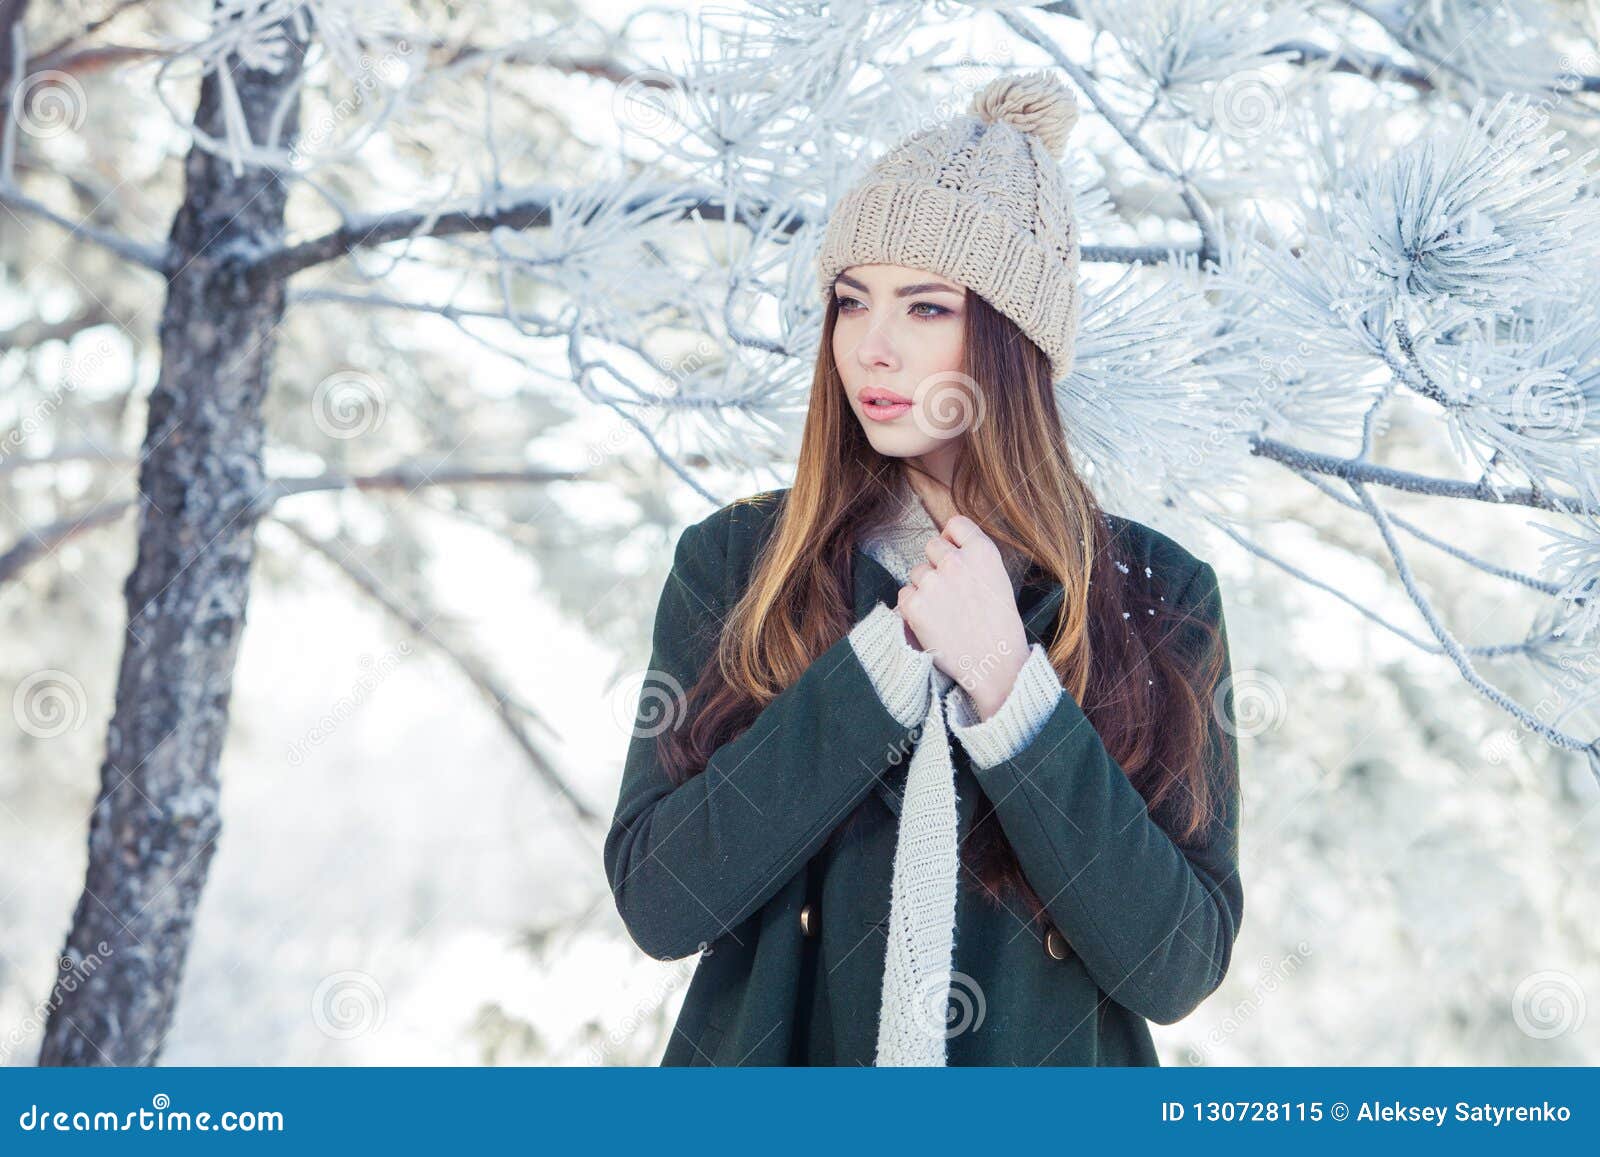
509,710
1356,470
39,541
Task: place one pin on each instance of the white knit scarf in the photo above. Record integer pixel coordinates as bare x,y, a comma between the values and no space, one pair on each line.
922,908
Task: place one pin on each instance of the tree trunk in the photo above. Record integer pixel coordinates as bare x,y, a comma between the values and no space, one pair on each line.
156,821
11,14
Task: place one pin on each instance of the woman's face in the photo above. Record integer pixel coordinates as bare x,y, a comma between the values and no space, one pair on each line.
899,334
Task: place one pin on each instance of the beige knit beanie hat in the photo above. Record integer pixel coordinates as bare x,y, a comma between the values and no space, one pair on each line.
980,199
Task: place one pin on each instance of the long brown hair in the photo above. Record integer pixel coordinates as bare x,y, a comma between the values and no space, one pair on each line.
1118,647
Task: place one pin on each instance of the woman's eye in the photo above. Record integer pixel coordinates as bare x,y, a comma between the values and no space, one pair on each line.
923,309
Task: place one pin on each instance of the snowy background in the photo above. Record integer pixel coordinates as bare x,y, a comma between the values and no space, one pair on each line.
400,880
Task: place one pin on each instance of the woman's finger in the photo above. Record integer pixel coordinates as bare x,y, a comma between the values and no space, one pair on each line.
962,531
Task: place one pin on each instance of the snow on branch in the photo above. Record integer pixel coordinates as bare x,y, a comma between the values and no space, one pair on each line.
1310,232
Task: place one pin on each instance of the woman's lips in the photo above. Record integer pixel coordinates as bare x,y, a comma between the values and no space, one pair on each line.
880,412
883,405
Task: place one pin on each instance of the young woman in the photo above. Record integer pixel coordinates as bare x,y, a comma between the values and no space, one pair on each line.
935,764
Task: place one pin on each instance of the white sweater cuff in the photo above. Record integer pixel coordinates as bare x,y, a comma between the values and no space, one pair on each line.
1030,702
899,672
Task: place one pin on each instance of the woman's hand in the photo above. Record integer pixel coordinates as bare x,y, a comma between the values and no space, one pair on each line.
963,612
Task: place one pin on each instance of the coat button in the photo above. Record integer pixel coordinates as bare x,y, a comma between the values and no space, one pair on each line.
808,919
1055,944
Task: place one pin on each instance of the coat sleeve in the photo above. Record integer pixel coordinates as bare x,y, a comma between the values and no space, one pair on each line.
688,863
1153,923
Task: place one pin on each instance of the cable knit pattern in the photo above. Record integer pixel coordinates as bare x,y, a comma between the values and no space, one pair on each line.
918,960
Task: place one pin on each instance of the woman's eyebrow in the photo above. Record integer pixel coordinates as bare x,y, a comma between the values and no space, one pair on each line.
904,290
925,287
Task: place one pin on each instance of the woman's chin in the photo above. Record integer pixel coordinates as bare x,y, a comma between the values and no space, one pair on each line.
894,443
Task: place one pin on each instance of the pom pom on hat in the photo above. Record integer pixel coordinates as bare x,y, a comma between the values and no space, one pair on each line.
1034,102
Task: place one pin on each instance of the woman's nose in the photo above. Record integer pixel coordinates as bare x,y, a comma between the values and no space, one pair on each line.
876,349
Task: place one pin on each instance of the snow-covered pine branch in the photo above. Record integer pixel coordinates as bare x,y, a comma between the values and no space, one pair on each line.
1279,253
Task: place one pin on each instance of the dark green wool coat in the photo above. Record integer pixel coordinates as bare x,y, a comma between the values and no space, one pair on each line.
738,861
